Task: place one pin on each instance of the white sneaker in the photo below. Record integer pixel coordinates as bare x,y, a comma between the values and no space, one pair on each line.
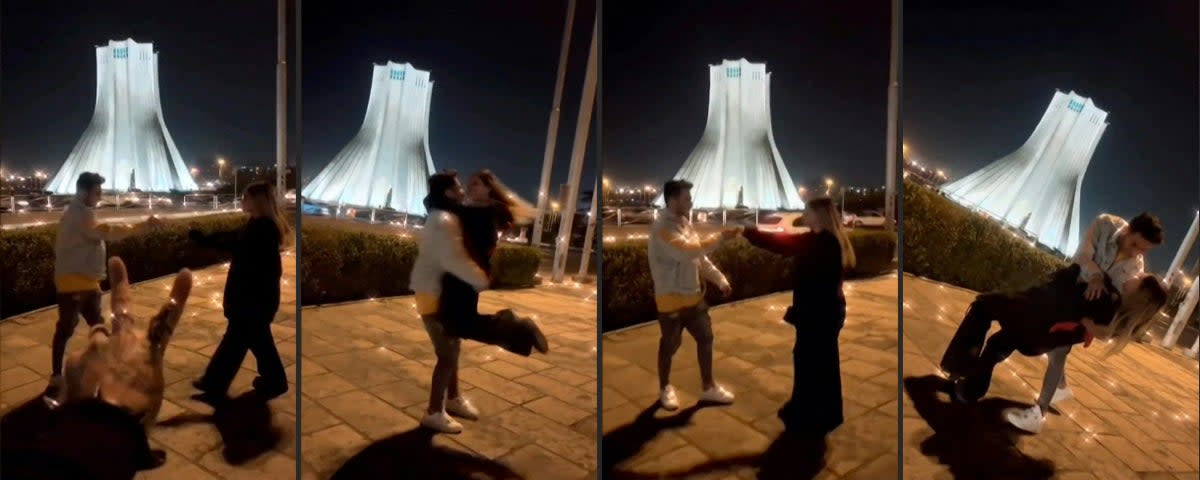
441,422
1061,394
717,394
668,400
1027,419
461,407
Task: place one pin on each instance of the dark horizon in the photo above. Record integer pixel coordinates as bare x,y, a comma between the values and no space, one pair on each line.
829,78
493,70
216,77
978,78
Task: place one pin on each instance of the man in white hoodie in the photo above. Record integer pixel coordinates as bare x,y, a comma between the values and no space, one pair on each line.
678,259
441,251
80,264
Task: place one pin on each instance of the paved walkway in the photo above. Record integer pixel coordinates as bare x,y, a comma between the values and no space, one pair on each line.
365,378
193,440
753,359
1133,415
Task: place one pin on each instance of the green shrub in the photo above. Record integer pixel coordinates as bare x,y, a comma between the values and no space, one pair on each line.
948,243
628,290
341,266
28,274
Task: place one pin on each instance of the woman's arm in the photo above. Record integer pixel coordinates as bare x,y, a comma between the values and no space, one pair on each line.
786,244
453,256
221,240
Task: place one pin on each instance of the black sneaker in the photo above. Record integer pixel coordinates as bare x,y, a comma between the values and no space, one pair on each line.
269,390
50,395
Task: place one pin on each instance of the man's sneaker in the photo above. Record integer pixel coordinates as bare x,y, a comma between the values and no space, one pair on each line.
50,395
1027,419
668,400
441,422
717,394
461,407
1061,395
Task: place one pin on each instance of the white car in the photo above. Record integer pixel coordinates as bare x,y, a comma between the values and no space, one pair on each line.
869,219
783,222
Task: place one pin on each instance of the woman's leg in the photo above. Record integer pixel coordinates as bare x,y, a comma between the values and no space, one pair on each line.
226,360
965,347
270,366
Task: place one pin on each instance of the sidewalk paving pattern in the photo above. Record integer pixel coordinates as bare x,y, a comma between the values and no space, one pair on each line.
194,449
1133,415
752,357
365,378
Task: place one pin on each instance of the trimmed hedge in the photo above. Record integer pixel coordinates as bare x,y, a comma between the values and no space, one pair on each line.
948,243
28,273
342,266
628,290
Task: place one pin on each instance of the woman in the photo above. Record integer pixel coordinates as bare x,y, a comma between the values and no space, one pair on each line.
490,209
1045,318
821,257
251,295
441,251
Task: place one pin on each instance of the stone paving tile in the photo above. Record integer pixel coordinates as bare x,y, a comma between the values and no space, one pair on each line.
1134,415
753,359
366,368
194,445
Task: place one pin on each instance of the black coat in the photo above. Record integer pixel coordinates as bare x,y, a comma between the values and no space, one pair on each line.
817,272
1030,314
252,285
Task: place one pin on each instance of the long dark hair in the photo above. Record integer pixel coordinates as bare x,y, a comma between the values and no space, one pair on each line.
436,199
264,194
520,211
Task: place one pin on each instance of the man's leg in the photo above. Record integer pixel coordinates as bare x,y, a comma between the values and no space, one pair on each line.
699,325
964,348
70,307
671,327
1056,377
444,384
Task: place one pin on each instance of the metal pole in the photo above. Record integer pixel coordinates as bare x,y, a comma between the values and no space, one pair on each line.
1188,242
543,198
1181,316
893,126
1192,352
280,107
590,234
582,128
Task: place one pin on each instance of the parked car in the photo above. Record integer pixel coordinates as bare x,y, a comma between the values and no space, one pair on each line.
783,222
869,219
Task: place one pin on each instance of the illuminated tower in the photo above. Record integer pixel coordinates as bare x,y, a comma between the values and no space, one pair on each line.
387,164
1036,188
127,140
737,153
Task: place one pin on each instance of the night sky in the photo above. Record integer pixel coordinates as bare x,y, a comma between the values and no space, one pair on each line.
493,67
977,80
829,73
216,76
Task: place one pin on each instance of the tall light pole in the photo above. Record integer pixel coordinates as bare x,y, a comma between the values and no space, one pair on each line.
582,128
280,106
893,119
552,131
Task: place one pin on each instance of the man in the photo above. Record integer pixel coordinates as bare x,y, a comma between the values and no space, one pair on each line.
1111,247
678,258
79,267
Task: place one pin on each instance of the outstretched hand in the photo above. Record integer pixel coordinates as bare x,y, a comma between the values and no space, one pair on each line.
729,234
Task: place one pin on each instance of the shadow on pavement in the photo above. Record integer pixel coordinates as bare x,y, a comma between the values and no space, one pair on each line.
88,439
412,454
973,440
790,456
244,423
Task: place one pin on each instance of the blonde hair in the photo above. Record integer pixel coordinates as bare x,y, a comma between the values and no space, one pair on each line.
1136,313
264,193
829,219
521,211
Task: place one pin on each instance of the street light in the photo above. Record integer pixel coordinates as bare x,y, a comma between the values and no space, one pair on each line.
828,186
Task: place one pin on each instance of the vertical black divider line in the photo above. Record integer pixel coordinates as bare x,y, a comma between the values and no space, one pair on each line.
294,119
598,189
898,7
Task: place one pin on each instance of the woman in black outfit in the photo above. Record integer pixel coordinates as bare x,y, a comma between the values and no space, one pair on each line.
251,295
818,311
489,210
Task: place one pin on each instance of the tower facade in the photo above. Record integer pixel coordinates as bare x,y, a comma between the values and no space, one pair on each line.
1036,188
737,156
387,164
127,140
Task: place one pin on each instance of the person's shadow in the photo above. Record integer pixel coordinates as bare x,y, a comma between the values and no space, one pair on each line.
974,441
244,423
412,455
790,456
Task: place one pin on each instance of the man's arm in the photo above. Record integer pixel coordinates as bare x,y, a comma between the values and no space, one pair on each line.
1084,255
110,232
682,249
454,257
710,272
